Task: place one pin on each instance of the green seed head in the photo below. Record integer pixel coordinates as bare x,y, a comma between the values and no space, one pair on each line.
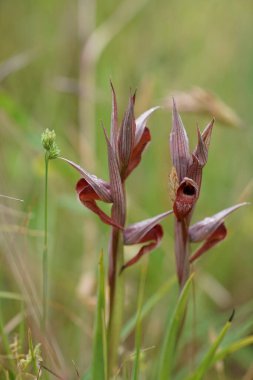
48,140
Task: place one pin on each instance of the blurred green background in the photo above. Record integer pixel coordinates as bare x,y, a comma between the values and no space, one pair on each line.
56,60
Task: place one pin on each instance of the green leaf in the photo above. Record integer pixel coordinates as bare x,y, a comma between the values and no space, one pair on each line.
174,324
11,296
207,360
232,347
148,306
99,357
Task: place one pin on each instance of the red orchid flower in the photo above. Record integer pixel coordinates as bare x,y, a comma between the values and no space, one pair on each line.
185,185
125,147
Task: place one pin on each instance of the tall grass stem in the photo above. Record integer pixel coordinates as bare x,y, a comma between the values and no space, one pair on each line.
45,251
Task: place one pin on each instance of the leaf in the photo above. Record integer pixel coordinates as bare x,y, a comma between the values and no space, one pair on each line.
168,350
142,232
179,145
207,360
99,356
232,347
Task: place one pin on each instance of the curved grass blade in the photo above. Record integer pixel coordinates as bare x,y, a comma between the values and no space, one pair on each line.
207,360
148,306
233,347
11,296
167,354
99,357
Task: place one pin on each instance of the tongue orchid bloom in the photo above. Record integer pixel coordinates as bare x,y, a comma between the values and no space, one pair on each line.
185,184
125,147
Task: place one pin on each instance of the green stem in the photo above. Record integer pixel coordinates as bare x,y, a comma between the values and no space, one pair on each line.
138,330
45,252
116,303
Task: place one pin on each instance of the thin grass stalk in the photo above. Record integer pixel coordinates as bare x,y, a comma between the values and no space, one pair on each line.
45,251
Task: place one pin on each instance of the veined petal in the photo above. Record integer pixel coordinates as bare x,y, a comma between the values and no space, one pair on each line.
137,152
207,133
202,230
146,231
135,232
216,237
179,145
88,198
200,155
141,123
154,236
114,121
117,192
100,187
127,136
186,197
201,151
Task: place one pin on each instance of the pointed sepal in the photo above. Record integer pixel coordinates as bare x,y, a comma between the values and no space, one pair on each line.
179,145
100,187
143,232
211,230
88,197
127,136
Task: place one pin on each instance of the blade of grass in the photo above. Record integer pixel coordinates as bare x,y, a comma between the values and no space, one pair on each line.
11,296
138,331
207,360
148,306
233,347
99,357
173,328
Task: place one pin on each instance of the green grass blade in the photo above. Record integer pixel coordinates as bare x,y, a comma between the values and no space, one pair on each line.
167,354
148,306
99,357
11,296
138,331
207,361
233,347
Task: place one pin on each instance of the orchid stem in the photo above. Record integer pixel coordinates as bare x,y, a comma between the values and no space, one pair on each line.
116,303
45,252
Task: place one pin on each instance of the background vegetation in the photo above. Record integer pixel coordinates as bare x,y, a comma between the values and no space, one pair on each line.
161,47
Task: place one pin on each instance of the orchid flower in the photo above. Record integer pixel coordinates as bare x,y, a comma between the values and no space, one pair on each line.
185,184
125,146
